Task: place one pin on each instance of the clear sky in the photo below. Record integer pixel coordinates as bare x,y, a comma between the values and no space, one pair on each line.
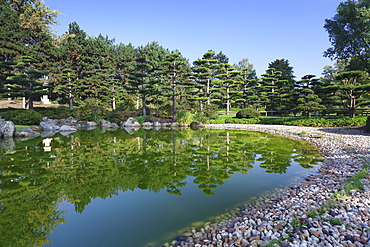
260,30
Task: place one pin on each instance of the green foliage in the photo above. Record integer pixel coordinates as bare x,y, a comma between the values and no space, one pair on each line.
211,111
91,110
56,113
248,113
367,126
185,117
22,117
295,121
201,117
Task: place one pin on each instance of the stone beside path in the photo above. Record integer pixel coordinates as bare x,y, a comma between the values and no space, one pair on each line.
306,214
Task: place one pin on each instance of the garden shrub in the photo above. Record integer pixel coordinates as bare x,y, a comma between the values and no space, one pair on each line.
22,117
211,111
185,117
200,117
91,110
248,113
56,113
242,120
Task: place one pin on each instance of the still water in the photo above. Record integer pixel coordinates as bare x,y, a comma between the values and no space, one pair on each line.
116,188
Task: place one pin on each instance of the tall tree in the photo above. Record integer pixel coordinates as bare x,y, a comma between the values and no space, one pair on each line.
307,99
349,34
26,80
228,82
351,87
177,71
269,88
249,79
203,72
140,83
286,70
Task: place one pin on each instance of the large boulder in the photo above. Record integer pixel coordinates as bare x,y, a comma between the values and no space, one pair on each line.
91,124
108,125
49,124
7,129
67,128
131,122
26,132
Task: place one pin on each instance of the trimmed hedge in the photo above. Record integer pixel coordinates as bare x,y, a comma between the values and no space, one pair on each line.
248,113
22,117
297,121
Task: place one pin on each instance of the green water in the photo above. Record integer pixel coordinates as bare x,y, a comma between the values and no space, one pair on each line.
93,188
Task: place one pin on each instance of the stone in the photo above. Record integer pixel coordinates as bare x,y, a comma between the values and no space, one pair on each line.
175,125
26,132
7,144
131,122
91,124
147,124
7,129
67,128
49,124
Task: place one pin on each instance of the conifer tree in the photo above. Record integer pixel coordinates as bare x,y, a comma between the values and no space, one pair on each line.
203,74
307,99
228,80
177,71
140,84
25,81
351,86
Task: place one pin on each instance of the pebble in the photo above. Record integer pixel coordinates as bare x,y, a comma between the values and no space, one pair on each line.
285,215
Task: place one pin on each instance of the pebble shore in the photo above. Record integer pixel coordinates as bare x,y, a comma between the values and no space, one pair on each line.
310,213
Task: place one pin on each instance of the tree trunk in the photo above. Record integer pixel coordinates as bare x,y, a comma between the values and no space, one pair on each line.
70,101
227,101
30,103
144,105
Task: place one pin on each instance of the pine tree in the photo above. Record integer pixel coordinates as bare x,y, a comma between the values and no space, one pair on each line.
177,71
140,82
203,72
351,86
307,99
228,80
26,81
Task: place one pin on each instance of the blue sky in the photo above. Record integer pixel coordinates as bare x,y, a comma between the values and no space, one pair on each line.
260,30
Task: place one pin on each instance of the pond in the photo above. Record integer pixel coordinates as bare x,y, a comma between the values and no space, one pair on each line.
132,189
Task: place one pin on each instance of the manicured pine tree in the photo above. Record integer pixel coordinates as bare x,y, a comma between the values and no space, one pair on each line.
139,82
26,81
155,55
177,71
66,86
269,88
307,99
249,79
228,79
202,75
351,86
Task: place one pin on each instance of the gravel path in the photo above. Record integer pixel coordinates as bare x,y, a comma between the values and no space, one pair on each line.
308,214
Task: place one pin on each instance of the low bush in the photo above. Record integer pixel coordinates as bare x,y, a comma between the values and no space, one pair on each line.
22,117
200,117
91,110
248,113
184,117
56,113
243,121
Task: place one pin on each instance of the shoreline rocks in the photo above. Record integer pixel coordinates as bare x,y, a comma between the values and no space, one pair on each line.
311,213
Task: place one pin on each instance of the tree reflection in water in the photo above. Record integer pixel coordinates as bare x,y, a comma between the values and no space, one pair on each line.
93,164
